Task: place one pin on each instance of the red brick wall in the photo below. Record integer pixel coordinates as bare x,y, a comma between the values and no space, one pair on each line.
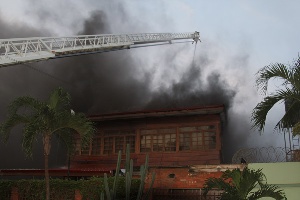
183,178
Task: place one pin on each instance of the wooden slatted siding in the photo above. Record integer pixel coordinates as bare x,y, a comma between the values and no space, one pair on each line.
186,137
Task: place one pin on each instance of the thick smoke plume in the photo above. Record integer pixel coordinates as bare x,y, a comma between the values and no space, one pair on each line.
103,83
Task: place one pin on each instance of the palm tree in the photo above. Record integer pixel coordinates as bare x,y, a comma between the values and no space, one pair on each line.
243,185
289,92
50,118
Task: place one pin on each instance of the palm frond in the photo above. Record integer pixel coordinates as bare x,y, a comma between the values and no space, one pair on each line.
296,129
268,191
295,70
78,122
234,176
217,183
250,179
24,102
59,100
83,126
11,122
66,136
238,185
289,92
31,130
273,71
261,110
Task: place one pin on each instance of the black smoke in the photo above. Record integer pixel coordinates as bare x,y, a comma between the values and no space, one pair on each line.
103,83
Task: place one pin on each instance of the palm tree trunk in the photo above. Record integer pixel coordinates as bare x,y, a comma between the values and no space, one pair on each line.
47,146
47,178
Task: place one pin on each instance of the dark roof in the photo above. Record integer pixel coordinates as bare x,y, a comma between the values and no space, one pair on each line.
203,110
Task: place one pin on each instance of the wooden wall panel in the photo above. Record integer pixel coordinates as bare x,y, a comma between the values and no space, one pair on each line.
164,159
155,159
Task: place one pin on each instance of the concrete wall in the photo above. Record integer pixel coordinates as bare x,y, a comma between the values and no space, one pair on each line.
286,175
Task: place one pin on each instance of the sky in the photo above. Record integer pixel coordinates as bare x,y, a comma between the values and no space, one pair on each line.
237,39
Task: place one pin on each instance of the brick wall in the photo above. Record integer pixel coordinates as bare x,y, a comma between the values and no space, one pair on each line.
179,178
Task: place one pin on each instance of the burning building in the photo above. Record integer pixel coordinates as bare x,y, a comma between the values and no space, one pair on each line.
184,146
171,138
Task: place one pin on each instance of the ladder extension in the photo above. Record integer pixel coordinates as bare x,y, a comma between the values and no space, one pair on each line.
25,50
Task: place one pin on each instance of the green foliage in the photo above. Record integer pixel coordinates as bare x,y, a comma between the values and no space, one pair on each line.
5,189
111,193
50,118
65,189
288,91
241,185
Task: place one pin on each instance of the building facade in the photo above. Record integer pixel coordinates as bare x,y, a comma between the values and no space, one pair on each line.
171,138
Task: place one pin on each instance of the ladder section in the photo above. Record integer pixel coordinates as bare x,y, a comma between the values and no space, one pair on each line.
22,50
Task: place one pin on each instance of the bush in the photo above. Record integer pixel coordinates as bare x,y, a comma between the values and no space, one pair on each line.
64,189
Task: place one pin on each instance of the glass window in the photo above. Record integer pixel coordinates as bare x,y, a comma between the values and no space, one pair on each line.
163,139
131,141
197,138
210,140
158,143
85,150
184,129
108,145
170,142
119,140
119,144
197,141
185,142
96,146
77,146
146,143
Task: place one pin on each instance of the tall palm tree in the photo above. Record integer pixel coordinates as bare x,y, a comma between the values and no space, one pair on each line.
53,117
289,92
243,185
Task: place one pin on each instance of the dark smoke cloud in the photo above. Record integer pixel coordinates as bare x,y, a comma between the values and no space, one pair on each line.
18,81
102,83
111,82
192,90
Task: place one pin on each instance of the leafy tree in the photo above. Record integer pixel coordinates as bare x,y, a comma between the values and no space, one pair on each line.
51,118
289,92
243,185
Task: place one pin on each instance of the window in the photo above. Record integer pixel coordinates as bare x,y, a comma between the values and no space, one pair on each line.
96,146
119,144
85,150
116,140
210,140
184,140
108,145
190,138
163,139
81,150
131,141
146,143
197,137
77,146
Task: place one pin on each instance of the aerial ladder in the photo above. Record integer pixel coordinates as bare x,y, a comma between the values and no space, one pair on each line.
34,49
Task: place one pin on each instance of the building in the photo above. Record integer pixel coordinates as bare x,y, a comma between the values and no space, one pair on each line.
184,148
177,141
171,138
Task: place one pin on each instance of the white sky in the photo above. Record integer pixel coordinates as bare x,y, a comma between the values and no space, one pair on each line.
260,31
